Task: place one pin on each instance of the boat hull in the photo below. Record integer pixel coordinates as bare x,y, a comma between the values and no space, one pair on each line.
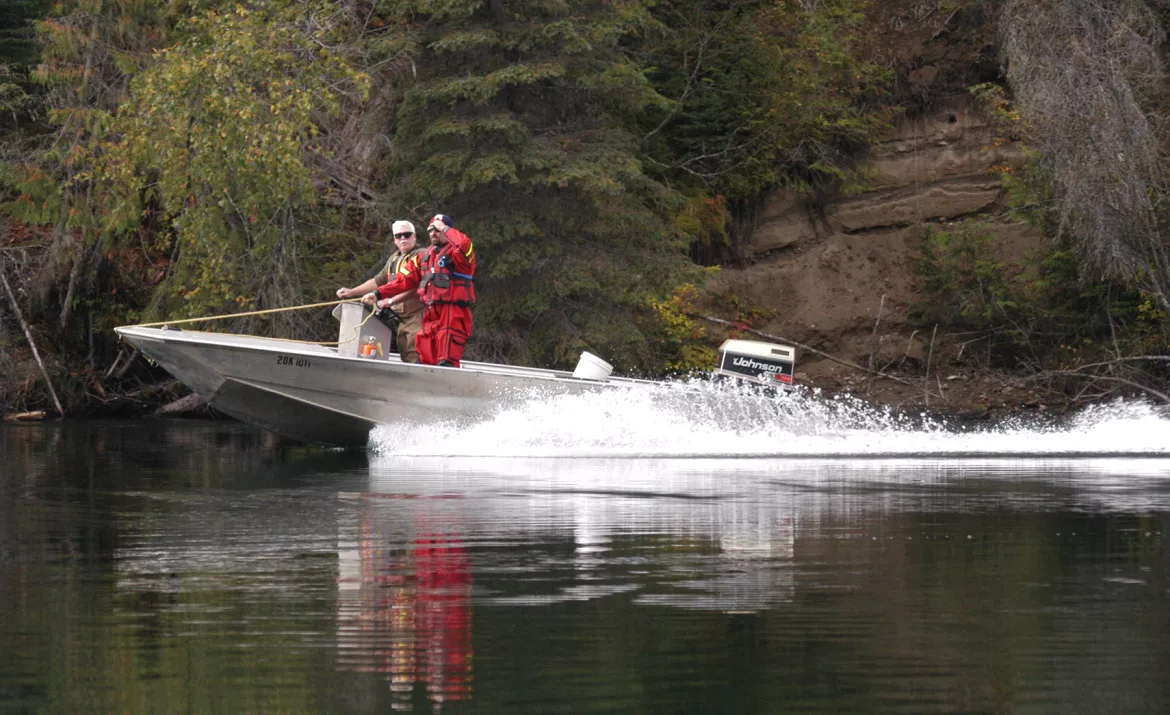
310,393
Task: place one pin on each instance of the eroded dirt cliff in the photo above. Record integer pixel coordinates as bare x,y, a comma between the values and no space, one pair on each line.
821,273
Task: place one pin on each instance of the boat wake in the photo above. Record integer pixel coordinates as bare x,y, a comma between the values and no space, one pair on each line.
701,420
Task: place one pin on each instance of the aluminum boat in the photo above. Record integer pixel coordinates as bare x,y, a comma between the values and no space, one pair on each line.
333,395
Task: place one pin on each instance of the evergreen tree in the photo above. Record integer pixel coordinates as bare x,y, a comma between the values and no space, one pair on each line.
88,51
523,126
18,53
18,46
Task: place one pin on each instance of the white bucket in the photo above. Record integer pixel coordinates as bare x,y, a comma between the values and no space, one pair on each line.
591,367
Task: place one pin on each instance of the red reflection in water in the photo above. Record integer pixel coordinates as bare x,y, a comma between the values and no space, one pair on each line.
409,613
444,614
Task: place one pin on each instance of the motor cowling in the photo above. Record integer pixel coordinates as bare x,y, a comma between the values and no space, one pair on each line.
764,363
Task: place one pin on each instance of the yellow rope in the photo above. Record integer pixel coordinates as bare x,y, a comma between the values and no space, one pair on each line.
356,331
246,315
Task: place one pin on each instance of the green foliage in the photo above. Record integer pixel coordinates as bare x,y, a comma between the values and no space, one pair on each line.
1005,118
763,94
528,138
83,77
38,196
1029,193
13,98
686,336
960,277
705,219
18,46
18,53
1040,311
1050,310
1028,184
216,135
207,156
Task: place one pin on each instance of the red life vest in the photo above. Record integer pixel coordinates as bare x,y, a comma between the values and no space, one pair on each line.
441,283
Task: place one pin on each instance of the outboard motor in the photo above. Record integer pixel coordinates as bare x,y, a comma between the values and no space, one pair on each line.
765,363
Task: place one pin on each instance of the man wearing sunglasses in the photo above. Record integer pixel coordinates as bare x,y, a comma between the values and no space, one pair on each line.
407,307
444,278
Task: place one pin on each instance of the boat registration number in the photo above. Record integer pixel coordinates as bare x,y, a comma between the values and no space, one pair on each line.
293,361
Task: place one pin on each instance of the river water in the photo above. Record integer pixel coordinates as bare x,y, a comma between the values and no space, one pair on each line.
589,557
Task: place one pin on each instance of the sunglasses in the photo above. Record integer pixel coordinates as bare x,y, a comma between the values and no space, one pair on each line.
403,235
433,230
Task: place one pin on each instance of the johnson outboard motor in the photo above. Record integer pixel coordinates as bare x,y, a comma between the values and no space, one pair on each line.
763,363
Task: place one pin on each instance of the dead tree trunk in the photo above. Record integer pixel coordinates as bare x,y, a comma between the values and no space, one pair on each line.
31,343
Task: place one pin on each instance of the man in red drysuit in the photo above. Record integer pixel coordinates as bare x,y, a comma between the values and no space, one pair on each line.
444,278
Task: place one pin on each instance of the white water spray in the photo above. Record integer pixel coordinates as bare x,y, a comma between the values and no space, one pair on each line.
696,419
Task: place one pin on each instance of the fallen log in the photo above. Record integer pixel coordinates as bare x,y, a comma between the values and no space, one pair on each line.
35,416
121,373
183,406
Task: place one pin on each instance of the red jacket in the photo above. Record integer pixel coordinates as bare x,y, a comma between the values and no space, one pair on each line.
444,274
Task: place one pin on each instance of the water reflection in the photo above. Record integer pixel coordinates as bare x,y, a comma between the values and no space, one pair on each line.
718,539
405,602
163,568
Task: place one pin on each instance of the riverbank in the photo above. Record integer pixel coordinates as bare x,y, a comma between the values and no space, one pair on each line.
947,396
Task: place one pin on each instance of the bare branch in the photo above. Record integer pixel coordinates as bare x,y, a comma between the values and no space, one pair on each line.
1087,75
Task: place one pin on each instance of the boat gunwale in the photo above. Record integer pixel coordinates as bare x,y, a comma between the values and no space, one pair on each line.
311,350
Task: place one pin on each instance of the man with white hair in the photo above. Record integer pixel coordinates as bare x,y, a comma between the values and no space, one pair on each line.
407,306
444,278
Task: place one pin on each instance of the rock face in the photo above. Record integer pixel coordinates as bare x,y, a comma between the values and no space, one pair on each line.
932,168
823,274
